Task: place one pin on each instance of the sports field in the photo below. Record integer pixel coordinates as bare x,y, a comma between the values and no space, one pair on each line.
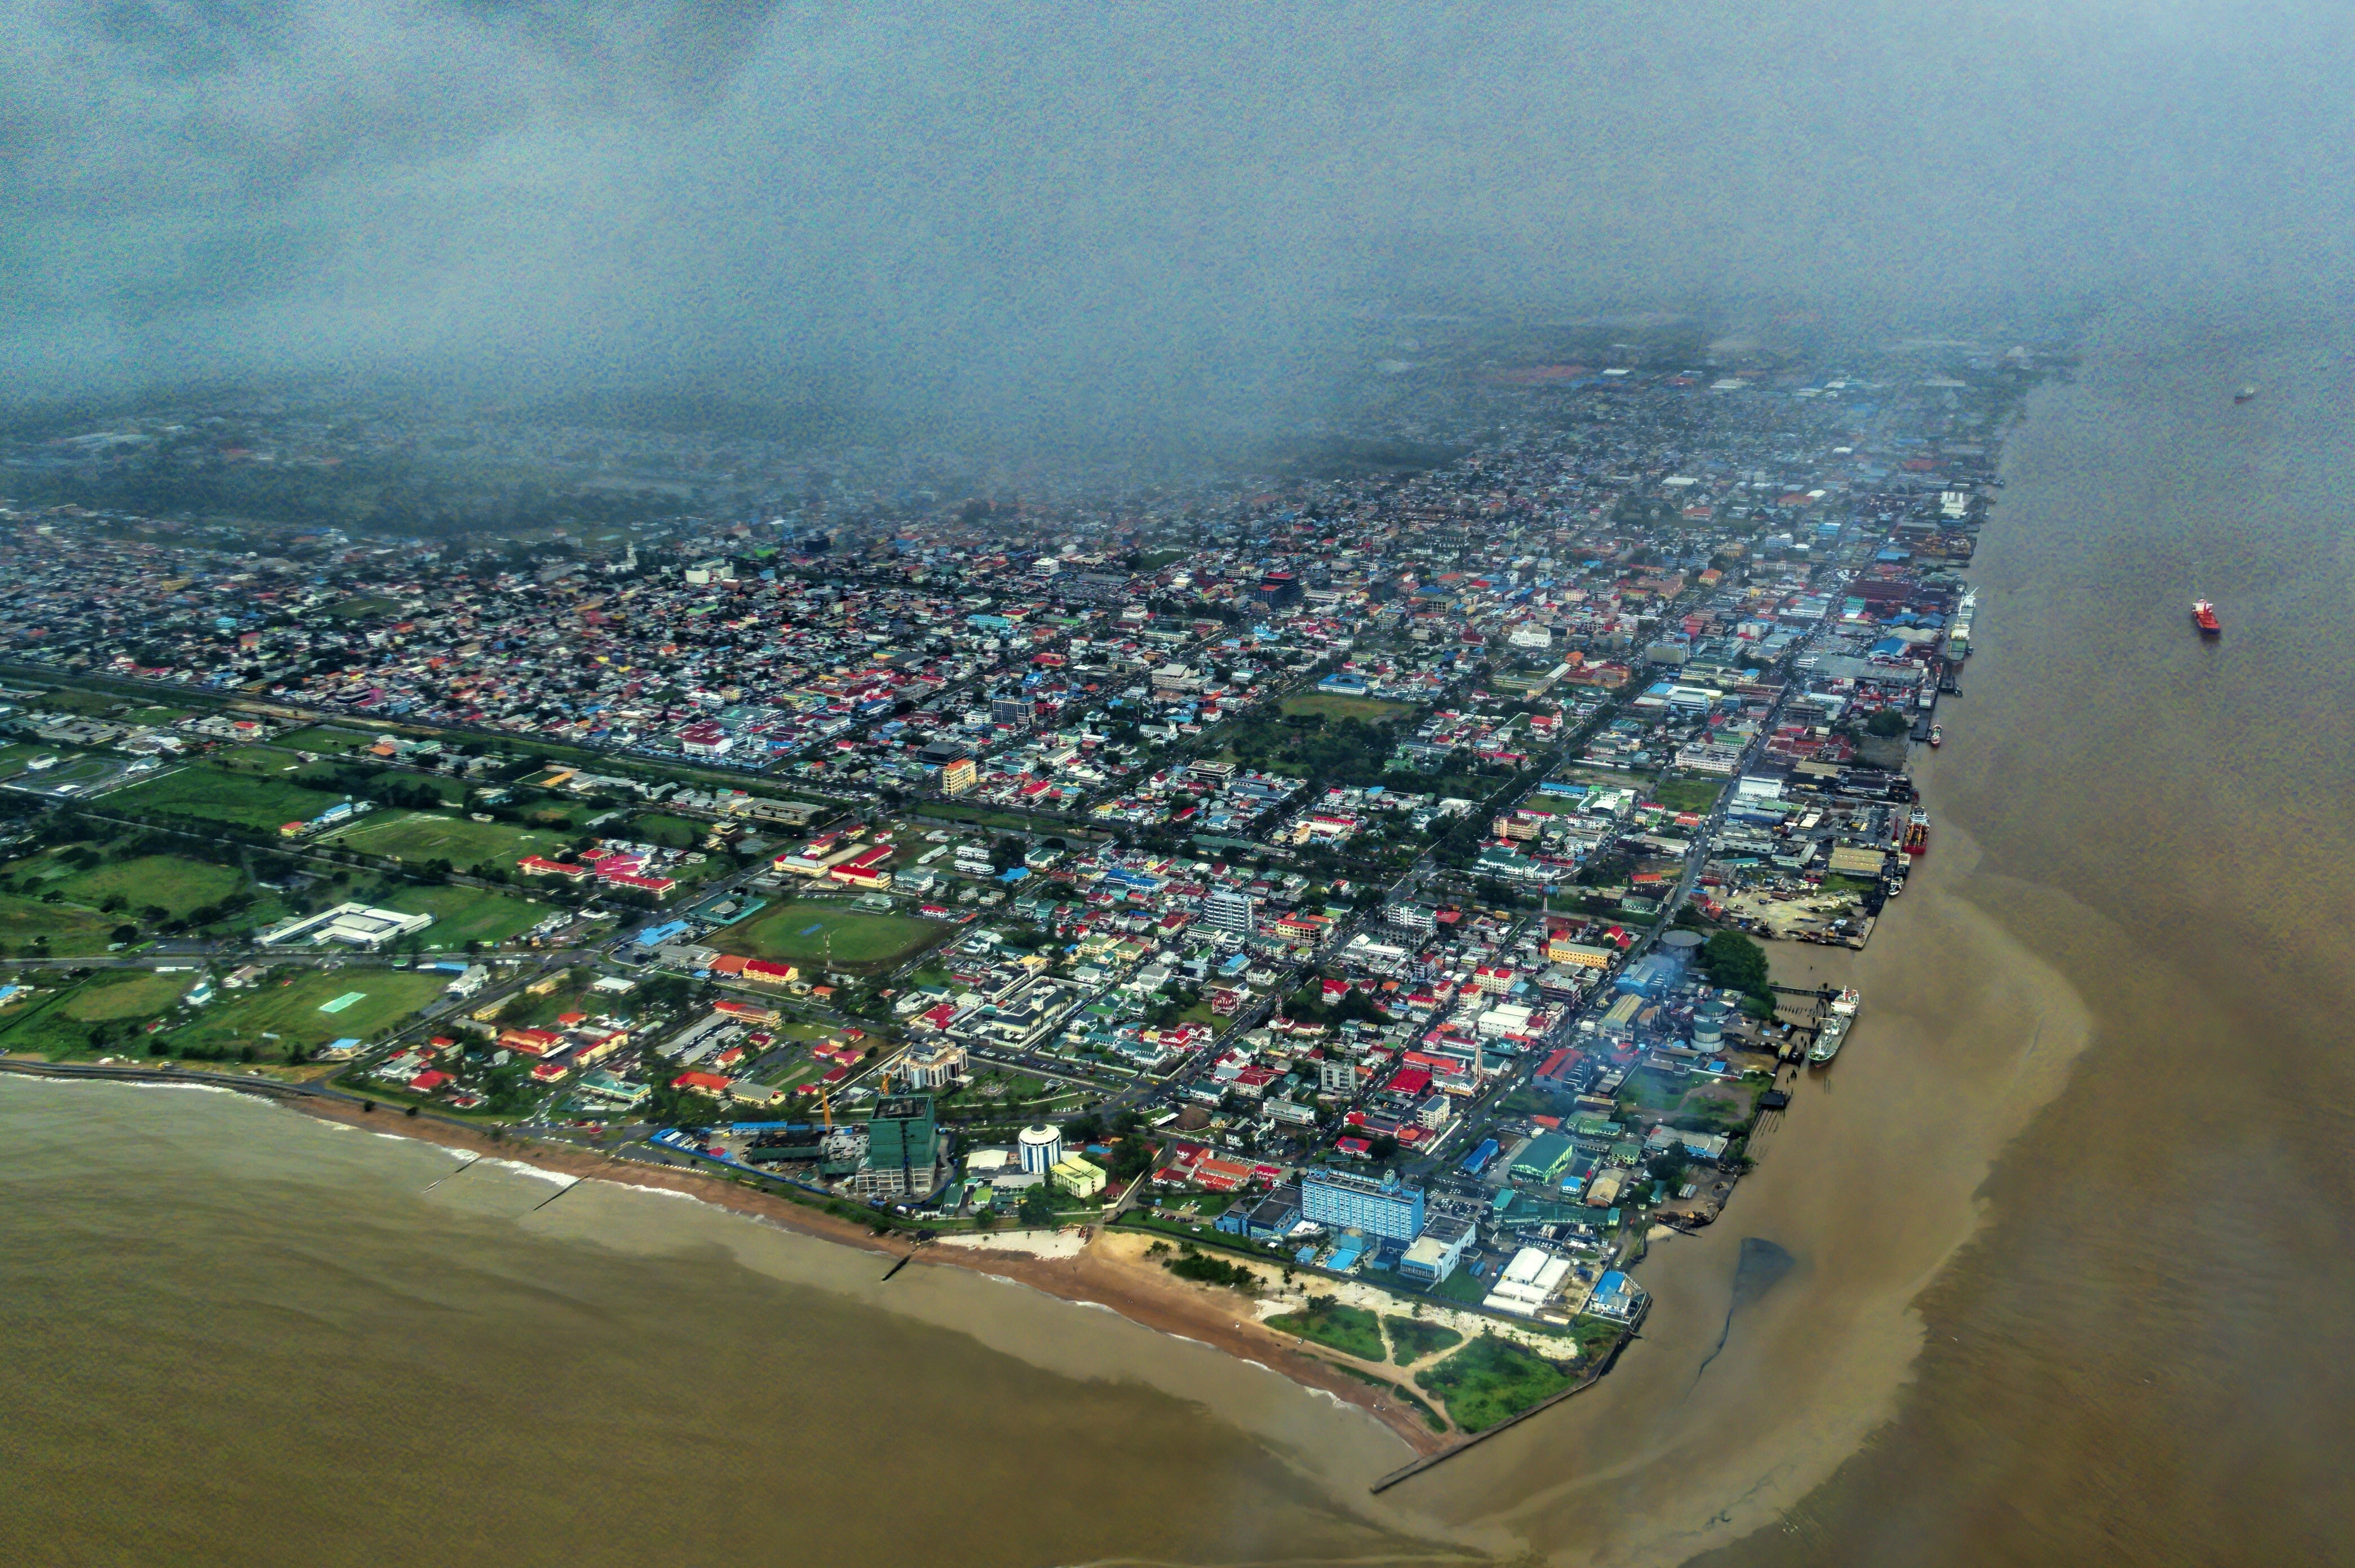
1339,705
856,941
287,1007
464,914
421,836
206,792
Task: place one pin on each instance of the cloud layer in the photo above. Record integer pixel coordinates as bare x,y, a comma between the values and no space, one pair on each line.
1054,210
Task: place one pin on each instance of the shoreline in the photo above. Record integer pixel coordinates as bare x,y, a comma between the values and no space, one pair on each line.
1094,1275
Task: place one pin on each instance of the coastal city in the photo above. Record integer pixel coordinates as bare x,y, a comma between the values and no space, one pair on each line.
1350,884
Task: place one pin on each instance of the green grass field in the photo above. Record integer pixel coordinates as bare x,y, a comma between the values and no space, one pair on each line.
1338,705
210,793
1489,1379
798,932
291,1010
326,738
1352,1330
421,836
66,700
166,881
258,761
464,914
659,827
136,995
62,1025
1687,795
1411,1338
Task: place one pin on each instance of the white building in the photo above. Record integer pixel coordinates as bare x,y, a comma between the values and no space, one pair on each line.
1533,1278
1041,1145
352,925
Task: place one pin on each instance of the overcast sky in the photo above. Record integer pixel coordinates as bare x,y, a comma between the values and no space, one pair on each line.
1064,204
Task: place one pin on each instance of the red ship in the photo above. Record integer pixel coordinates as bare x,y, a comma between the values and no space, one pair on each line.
1917,834
2203,615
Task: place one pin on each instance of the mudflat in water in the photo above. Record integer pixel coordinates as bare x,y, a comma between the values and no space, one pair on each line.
2050,1268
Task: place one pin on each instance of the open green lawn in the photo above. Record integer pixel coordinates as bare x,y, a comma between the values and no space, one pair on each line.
421,836
1412,1338
141,994
1338,705
287,1006
1491,1378
1686,794
803,932
257,761
1464,1288
66,700
1352,1330
327,739
464,914
166,881
360,607
659,827
216,796
62,1025
69,930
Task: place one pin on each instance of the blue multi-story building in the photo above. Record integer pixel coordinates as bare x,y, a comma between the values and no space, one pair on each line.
1347,1202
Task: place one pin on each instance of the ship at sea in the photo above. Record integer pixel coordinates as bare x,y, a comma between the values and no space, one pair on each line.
2203,615
2244,394
1833,1029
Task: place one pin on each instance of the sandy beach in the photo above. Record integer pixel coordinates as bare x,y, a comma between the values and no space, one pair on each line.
1099,1270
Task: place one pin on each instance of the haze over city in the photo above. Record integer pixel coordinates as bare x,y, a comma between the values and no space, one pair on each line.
1049,215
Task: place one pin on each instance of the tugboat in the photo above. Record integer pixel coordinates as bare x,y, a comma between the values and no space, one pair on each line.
1917,834
2203,615
1833,1030
1937,735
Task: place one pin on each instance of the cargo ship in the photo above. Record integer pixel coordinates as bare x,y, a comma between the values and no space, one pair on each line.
2203,615
1833,1030
1917,834
1937,735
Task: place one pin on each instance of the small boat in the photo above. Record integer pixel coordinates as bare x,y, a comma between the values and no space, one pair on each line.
2203,615
2244,394
1937,734
1833,1030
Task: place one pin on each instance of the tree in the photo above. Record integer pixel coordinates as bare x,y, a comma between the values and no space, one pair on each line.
1732,960
1038,1205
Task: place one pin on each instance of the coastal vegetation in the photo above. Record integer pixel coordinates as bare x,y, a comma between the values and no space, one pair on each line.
1491,1379
1412,1338
1352,1330
1192,1263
